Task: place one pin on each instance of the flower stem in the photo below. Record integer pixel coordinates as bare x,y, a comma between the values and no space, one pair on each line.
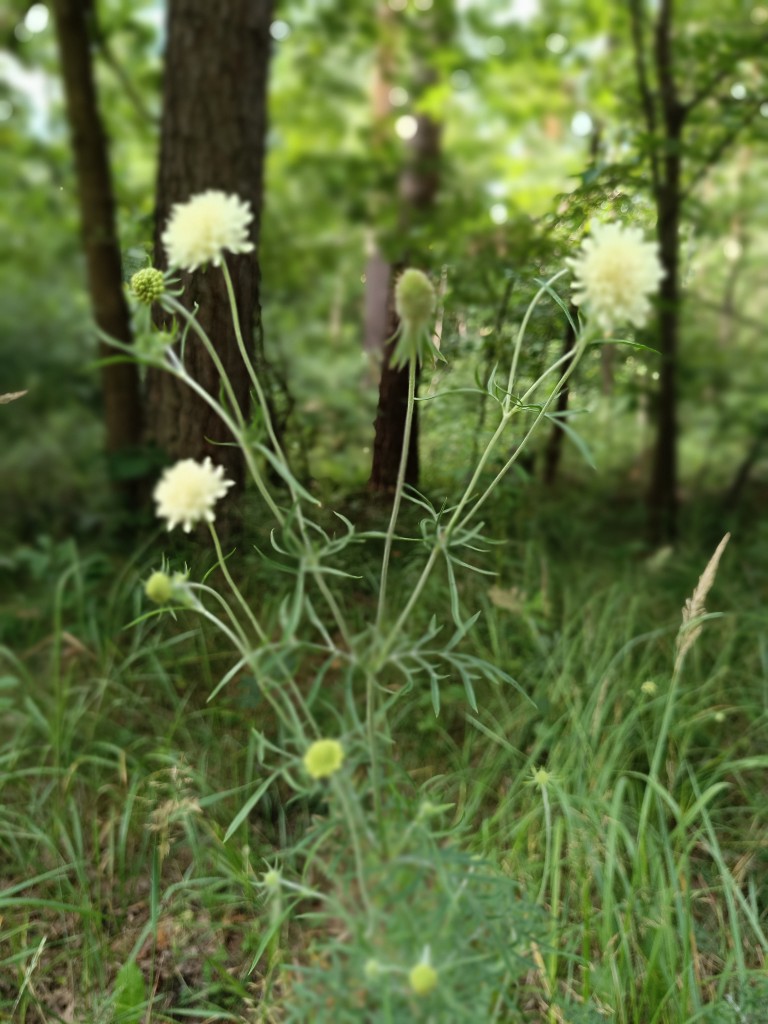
521,333
262,398
443,540
234,587
352,824
276,447
176,367
170,303
574,357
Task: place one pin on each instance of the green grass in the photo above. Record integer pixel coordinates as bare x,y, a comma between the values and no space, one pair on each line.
119,782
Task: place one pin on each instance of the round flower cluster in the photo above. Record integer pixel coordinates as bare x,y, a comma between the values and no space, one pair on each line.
323,758
201,230
188,491
614,275
147,285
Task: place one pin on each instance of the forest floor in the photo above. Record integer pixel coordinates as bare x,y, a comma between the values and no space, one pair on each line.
121,900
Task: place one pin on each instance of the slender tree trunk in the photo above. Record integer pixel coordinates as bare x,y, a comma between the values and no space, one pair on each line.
662,496
119,382
390,416
212,136
553,452
418,188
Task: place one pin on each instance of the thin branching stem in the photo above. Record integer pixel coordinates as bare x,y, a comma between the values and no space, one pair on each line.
277,448
234,587
175,367
521,332
170,303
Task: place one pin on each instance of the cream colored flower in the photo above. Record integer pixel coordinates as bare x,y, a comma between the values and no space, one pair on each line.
323,758
614,275
188,491
199,231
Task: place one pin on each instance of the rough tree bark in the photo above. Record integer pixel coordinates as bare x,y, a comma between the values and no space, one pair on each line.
74,20
662,496
212,136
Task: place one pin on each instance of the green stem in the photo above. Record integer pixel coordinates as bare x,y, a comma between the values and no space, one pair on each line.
521,333
574,356
373,748
262,398
235,622
169,302
441,543
547,843
658,755
291,721
507,414
175,367
234,587
276,447
352,825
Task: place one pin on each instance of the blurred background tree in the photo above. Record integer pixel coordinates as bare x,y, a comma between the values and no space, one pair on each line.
544,114
212,136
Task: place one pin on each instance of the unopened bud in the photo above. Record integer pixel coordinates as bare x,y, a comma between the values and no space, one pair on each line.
415,298
159,587
147,285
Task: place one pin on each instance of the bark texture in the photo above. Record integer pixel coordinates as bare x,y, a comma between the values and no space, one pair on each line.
212,136
74,20
662,497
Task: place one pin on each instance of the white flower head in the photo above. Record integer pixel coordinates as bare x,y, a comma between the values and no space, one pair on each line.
614,275
200,230
187,492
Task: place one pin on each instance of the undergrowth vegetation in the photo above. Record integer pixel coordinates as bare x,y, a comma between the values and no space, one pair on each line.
120,781
308,778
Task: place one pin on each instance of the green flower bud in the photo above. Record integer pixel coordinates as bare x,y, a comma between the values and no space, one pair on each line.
422,978
271,880
323,758
415,302
148,285
371,969
415,298
159,587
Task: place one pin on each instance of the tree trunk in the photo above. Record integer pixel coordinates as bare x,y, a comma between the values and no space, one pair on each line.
120,381
662,496
390,416
418,188
212,136
553,452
